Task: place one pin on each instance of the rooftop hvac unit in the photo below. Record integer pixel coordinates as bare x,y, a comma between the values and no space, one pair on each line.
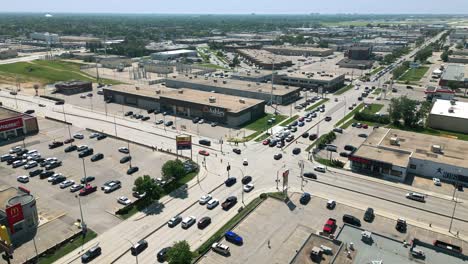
248,85
137,88
190,77
394,141
451,110
453,102
180,91
258,83
224,82
158,91
260,90
212,99
436,149
242,101
215,81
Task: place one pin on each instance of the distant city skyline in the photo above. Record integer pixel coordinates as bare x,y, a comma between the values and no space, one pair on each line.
241,6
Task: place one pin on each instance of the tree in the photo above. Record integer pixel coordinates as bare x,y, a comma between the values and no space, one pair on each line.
323,44
444,56
235,61
180,253
173,169
148,185
405,109
459,46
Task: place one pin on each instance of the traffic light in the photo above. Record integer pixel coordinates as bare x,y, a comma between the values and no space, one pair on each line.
4,236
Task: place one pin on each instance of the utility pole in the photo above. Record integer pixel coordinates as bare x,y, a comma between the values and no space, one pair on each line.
301,166
65,120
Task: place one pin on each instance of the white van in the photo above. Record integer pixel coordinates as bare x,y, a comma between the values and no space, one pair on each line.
416,196
319,168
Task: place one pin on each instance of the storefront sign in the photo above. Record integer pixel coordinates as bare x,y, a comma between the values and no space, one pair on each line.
14,215
214,111
11,124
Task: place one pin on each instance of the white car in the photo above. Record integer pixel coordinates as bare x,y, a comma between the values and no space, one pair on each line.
30,164
436,181
82,147
212,203
220,248
15,149
66,184
124,150
78,136
248,187
94,135
204,199
124,200
201,121
51,178
319,168
23,179
160,121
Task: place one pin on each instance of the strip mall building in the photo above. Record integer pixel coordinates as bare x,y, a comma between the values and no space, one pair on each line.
15,124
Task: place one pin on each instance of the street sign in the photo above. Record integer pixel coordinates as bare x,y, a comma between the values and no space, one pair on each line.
228,168
183,142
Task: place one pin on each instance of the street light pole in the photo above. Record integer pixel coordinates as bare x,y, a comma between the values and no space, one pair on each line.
453,215
133,245
115,127
65,120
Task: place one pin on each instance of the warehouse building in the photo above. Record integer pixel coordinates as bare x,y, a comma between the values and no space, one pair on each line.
454,75
359,53
73,87
265,59
329,82
280,94
173,54
463,59
18,212
392,154
252,76
14,124
299,51
213,107
449,115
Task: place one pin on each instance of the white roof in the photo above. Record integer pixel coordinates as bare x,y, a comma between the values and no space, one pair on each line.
445,108
173,52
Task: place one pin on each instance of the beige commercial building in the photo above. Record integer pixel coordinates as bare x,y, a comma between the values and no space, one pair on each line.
265,59
299,51
449,115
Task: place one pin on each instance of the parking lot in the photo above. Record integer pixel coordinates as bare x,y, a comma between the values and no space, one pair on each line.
275,231
98,207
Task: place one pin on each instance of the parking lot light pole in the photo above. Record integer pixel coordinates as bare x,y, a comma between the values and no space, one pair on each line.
65,120
115,127
453,214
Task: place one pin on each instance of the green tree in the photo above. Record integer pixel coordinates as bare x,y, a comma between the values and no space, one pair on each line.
235,61
148,185
405,109
323,44
180,253
444,56
459,46
173,169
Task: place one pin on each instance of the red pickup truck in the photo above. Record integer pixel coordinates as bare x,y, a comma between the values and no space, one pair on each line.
329,226
87,190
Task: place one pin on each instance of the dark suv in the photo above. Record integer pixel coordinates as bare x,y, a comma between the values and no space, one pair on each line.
369,215
86,153
349,219
139,247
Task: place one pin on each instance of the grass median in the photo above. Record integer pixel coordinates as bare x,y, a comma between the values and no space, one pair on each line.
259,126
312,107
370,109
350,115
67,248
414,75
344,89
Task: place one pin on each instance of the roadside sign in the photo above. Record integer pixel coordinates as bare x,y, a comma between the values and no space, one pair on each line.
14,215
183,142
285,179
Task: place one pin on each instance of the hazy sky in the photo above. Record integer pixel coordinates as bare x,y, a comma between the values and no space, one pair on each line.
238,6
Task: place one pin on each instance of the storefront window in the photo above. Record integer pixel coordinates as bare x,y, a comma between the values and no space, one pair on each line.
396,173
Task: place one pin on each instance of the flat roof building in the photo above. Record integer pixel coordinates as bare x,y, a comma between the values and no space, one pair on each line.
392,154
73,87
173,54
454,74
449,115
265,59
434,93
252,76
299,51
280,94
15,125
463,59
213,107
329,82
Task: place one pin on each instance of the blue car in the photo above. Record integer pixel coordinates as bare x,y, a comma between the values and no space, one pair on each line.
305,198
233,238
301,124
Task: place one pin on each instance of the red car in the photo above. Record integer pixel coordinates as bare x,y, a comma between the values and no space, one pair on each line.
204,153
329,226
365,126
301,119
68,141
266,141
87,190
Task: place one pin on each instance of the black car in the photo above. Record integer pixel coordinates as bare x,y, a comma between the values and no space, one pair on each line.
87,179
91,254
101,137
145,118
70,148
246,179
58,179
132,170
59,102
369,215
237,151
230,181
305,135
349,219
129,113
313,137
162,254
344,154
305,198
296,151
29,112
35,172
125,159
349,148
97,157
13,159
150,111
328,118
204,222
278,156
46,174
139,247
55,144
310,175
204,142
86,153
362,135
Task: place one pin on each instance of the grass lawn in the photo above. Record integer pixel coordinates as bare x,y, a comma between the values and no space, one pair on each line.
213,66
315,143
184,180
350,114
326,162
344,89
377,91
289,120
45,72
414,75
321,101
67,248
371,109
376,70
263,137
259,126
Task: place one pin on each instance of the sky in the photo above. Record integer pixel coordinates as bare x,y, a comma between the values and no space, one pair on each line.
239,6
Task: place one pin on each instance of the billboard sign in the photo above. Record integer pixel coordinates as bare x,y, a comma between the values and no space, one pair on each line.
14,215
11,124
183,142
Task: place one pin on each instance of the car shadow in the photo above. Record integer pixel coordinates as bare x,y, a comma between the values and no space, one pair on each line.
290,204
